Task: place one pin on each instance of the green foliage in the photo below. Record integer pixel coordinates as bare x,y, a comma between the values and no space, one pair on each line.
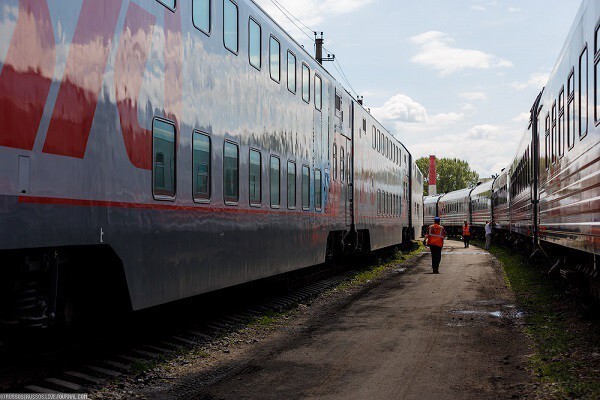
452,174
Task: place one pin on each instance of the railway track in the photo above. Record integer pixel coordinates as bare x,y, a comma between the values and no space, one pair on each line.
77,361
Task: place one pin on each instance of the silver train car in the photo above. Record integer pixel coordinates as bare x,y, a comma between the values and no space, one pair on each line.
549,195
157,150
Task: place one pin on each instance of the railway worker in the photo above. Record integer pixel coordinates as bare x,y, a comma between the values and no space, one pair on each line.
488,235
466,234
435,240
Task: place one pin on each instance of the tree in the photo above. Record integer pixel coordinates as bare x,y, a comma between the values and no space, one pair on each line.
452,174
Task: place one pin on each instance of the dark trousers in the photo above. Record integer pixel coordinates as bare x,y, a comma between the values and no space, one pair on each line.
436,257
466,240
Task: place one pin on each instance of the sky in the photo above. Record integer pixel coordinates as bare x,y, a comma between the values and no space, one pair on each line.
452,78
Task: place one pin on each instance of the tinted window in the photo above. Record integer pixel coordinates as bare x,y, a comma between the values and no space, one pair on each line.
163,145
561,122
255,44
583,93
318,92
291,184
334,164
230,25
374,138
275,181
201,161
274,59
318,190
553,133
255,177
231,172
201,15
596,75
571,120
341,164
305,187
305,83
291,61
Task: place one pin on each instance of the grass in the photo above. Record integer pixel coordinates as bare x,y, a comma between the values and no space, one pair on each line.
267,320
562,340
382,265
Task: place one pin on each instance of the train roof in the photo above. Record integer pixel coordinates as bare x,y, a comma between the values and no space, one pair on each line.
483,187
431,199
456,195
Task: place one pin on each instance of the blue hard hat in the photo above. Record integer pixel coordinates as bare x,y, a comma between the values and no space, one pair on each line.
437,219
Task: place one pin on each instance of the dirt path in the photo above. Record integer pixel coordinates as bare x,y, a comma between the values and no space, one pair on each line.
414,335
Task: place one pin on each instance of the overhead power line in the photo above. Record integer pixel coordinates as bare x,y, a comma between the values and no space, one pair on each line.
291,17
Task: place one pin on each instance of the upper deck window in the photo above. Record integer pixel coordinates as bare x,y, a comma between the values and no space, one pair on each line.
254,44
291,62
571,121
597,74
318,93
201,15
170,4
275,59
305,83
583,93
230,26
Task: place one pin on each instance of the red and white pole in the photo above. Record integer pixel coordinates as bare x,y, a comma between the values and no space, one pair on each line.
432,176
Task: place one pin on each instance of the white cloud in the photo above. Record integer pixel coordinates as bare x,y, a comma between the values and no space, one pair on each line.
536,80
522,117
473,96
514,9
477,7
401,108
436,52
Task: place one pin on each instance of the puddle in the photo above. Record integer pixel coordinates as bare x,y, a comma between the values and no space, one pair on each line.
497,314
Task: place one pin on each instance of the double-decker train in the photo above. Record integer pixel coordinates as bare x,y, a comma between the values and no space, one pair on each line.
154,150
549,195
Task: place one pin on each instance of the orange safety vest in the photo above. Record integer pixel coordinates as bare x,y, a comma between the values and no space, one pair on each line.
435,235
466,231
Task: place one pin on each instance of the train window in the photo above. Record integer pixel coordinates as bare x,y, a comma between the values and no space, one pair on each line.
583,93
305,83
364,126
318,93
275,181
386,149
305,188
275,59
230,26
334,164
378,202
291,75
547,147
561,122
255,178
291,185
201,161
341,164
374,138
318,190
338,102
231,168
349,170
254,43
597,74
163,145
553,133
571,124
201,15
170,4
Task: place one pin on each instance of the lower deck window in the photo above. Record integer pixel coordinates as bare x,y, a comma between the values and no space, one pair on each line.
163,159
318,191
291,184
275,181
305,188
201,165
255,178
231,172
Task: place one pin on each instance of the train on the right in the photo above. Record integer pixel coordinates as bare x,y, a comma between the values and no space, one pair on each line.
548,198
